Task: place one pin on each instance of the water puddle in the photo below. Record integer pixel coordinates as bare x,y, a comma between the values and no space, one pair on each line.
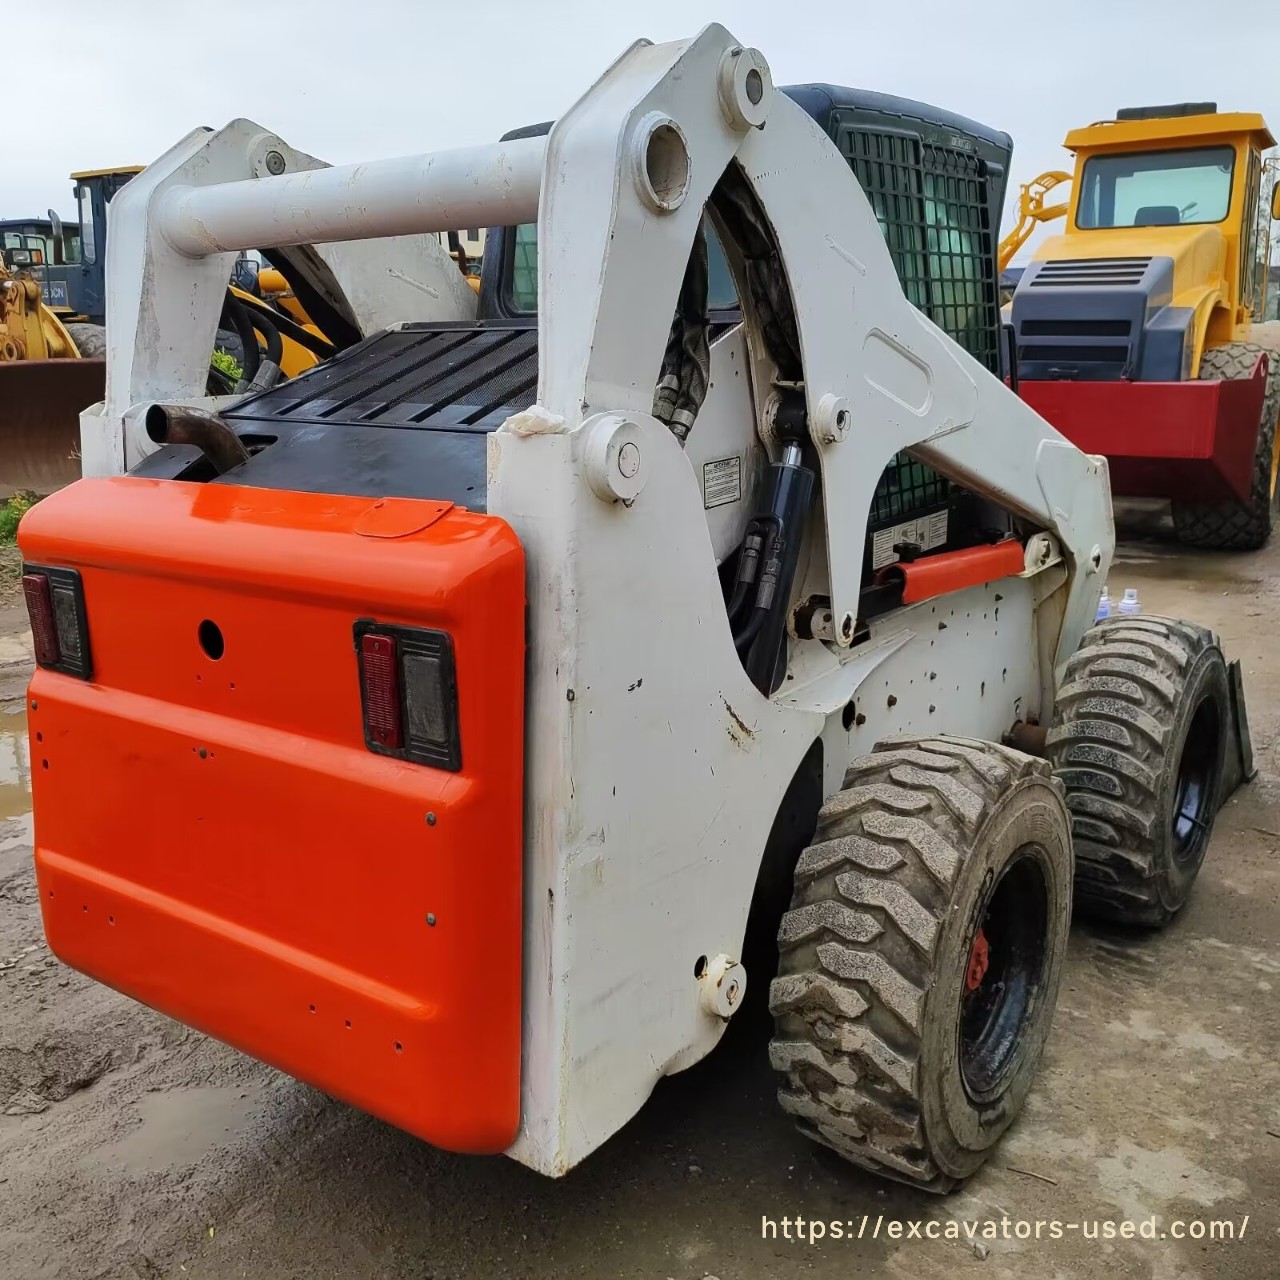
15,764
180,1127
1196,572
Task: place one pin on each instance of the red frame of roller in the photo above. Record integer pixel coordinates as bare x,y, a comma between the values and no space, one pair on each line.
1192,441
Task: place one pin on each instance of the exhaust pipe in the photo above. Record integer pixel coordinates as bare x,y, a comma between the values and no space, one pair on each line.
180,424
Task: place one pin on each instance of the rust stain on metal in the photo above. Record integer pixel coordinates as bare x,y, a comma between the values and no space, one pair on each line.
739,731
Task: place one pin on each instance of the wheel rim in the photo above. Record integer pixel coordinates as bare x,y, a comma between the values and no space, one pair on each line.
1194,793
1004,971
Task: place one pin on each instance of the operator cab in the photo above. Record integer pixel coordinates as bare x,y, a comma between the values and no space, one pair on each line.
68,258
30,246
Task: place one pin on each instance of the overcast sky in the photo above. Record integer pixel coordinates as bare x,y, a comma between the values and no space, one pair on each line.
361,79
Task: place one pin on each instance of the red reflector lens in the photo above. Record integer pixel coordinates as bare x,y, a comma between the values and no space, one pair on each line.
380,674
44,627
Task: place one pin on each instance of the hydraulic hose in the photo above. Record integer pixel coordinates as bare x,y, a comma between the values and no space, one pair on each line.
289,328
755,623
217,383
269,369
686,363
261,320
790,499
755,542
234,316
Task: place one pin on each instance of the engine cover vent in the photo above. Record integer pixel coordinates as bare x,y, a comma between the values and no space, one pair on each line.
463,378
1067,273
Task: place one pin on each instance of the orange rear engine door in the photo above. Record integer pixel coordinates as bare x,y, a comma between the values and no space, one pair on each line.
225,828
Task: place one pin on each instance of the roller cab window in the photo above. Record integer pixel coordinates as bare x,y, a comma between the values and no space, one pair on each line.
1156,188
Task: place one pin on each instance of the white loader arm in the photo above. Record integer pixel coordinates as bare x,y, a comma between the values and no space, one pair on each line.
167,275
618,194
879,377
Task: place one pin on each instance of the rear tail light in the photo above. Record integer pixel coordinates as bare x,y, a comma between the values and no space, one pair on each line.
409,694
380,685
35,586
59,625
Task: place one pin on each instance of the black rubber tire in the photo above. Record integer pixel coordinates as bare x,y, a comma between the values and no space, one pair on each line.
228,340
1123,726
1235,525
874,951
90,339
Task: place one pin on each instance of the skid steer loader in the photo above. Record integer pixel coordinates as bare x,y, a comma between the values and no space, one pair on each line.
480,678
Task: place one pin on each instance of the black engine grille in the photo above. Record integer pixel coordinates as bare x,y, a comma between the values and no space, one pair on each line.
420,376
1090,272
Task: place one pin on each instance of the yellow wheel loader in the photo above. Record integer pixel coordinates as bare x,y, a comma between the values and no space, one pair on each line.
53,336
51,371
45,380
52,339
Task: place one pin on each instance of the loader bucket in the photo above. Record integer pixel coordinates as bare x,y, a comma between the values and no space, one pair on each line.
40,404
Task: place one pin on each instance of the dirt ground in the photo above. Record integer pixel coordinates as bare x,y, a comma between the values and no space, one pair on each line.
132,1147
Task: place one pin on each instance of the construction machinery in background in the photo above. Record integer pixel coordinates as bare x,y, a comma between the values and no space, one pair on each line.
468,266
503,677
69,258
1032,212
44,384
52,339
1137,329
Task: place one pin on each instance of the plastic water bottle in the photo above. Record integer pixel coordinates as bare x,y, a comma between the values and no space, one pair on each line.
1104,605
1129,602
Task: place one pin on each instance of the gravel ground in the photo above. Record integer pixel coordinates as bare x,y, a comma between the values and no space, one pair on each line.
132,1147
10,575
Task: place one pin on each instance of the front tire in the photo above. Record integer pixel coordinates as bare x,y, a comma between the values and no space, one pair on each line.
921,958
1235,525
1139,740
90,339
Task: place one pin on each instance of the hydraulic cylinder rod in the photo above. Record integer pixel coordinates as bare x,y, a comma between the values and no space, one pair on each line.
488,186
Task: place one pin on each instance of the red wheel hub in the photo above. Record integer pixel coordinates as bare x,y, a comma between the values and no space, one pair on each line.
979,959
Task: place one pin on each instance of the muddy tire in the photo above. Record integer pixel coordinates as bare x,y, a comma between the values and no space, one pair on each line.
1139,740
228,340
90,339
1235,525
900,1046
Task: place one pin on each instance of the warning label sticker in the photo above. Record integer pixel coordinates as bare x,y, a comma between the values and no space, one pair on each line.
721,482
926,533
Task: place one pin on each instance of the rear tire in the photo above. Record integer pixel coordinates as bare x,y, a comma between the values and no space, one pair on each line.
228,340
889,1055
1235,525
90,340
1139,740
